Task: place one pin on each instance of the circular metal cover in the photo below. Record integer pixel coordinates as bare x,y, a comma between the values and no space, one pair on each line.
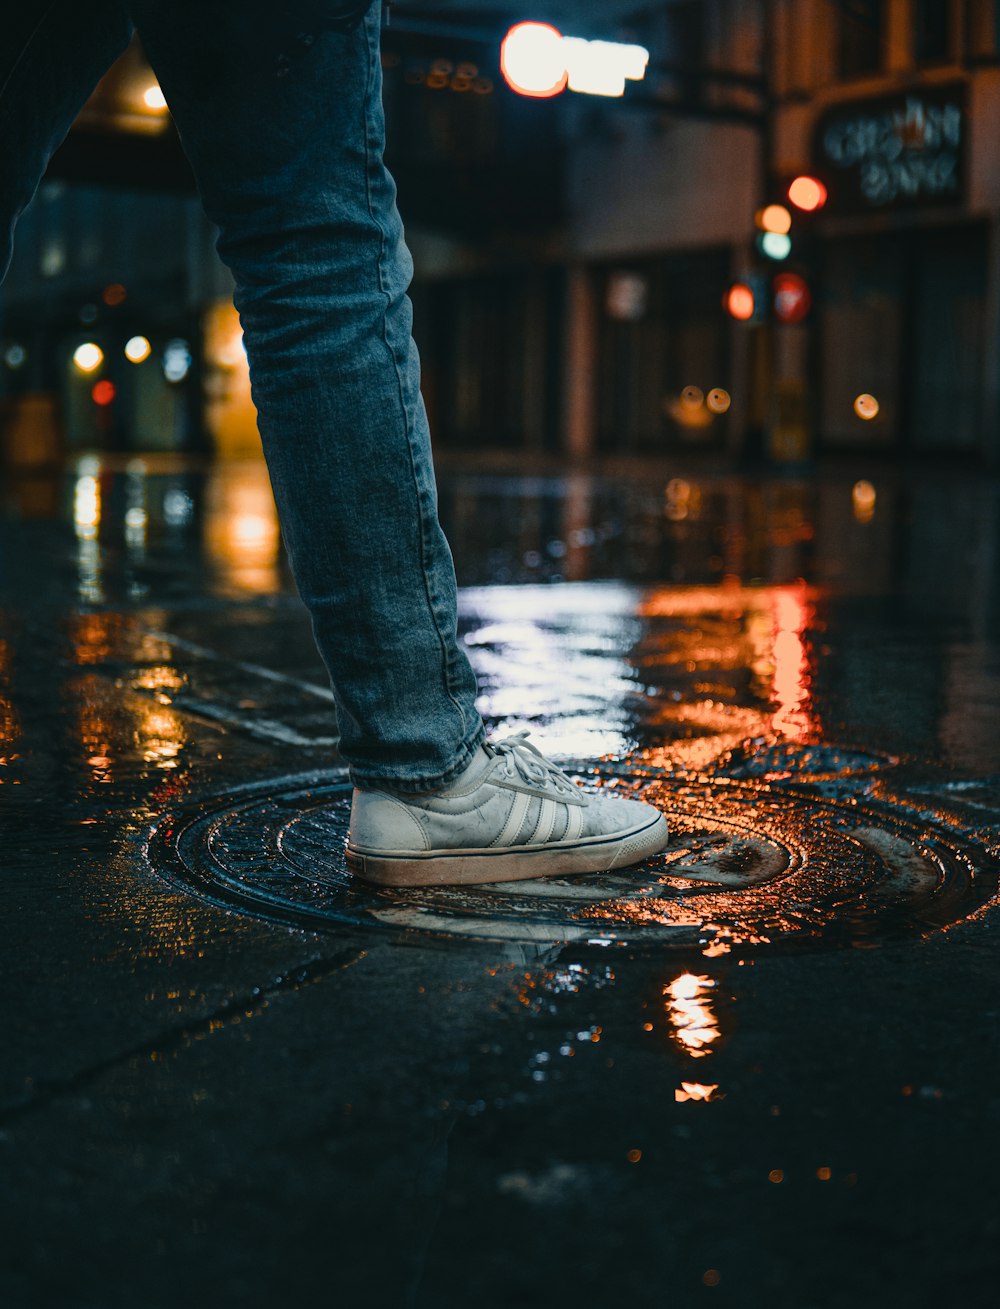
752,864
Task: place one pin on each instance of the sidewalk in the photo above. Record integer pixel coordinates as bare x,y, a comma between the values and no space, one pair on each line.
762,1071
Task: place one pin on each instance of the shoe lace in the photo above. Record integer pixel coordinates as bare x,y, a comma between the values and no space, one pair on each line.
524,760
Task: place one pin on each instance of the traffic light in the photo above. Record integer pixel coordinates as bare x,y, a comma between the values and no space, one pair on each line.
791,297
807,193
740,302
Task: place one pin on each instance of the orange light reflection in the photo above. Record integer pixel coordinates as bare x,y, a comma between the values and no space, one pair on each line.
694,1026
792,675
696,1091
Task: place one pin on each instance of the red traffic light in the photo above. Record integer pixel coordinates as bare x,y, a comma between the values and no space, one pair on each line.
807,193
792,298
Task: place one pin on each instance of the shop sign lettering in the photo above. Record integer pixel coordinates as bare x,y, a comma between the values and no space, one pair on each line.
903,151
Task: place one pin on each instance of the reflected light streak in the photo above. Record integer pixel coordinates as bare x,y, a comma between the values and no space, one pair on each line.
791,678
160,736
86,507
863,499
10,729
696,1091
693,1024
241,526
95,730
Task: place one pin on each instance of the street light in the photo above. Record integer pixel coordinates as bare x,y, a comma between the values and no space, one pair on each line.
533,61
537,60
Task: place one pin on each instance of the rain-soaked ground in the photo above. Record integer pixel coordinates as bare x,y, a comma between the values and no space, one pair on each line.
761,1069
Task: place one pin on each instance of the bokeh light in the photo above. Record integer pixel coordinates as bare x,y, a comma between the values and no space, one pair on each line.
807,193
774,218
866,406
88,356
533,60
154,99
739,301
137,348
776,245
863,497
718,400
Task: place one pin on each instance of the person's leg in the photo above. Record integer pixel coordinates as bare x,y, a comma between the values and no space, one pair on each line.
52,55
284,128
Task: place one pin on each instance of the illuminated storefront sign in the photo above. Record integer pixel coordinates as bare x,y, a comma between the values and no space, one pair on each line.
900,151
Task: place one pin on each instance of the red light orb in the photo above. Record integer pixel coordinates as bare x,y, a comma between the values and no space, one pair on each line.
739,302
807,193
103,392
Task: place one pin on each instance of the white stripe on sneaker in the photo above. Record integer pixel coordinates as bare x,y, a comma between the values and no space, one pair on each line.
574,824
515,818
546,821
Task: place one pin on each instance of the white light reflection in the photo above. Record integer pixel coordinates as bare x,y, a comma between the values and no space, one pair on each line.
555,658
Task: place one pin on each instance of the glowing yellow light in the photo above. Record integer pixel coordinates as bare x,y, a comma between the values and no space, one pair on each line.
866,406
774,218
86,507
88,356
137,348
533,60
718,400
863,498
807,193
692,397
154,99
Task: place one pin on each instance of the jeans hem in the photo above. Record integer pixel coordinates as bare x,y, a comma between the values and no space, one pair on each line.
367,780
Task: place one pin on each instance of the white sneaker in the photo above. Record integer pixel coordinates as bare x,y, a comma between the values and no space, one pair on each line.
511,815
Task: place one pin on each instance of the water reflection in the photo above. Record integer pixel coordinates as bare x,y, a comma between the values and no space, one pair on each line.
693,1025
10,728
242,538
702,624
694,1028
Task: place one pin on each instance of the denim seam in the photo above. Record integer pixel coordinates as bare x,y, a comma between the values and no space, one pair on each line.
431,604
369,779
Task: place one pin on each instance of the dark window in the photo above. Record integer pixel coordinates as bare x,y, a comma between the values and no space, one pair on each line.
932,30
982,24
861,36
685,45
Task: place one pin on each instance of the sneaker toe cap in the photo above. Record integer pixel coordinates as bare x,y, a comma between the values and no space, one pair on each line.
619,815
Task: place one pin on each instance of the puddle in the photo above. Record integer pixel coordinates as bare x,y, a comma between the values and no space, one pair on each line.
751,866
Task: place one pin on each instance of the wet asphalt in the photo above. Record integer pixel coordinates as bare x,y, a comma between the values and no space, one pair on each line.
764,1071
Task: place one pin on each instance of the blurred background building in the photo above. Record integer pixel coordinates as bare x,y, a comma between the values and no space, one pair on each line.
597,275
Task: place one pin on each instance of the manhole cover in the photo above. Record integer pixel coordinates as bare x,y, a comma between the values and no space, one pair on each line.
749,866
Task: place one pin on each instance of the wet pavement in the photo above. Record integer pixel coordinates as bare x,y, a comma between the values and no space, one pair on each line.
761,1068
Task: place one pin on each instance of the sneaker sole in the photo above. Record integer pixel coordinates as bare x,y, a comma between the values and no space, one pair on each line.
597,854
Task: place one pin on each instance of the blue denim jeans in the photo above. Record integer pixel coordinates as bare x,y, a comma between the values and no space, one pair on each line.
279,109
